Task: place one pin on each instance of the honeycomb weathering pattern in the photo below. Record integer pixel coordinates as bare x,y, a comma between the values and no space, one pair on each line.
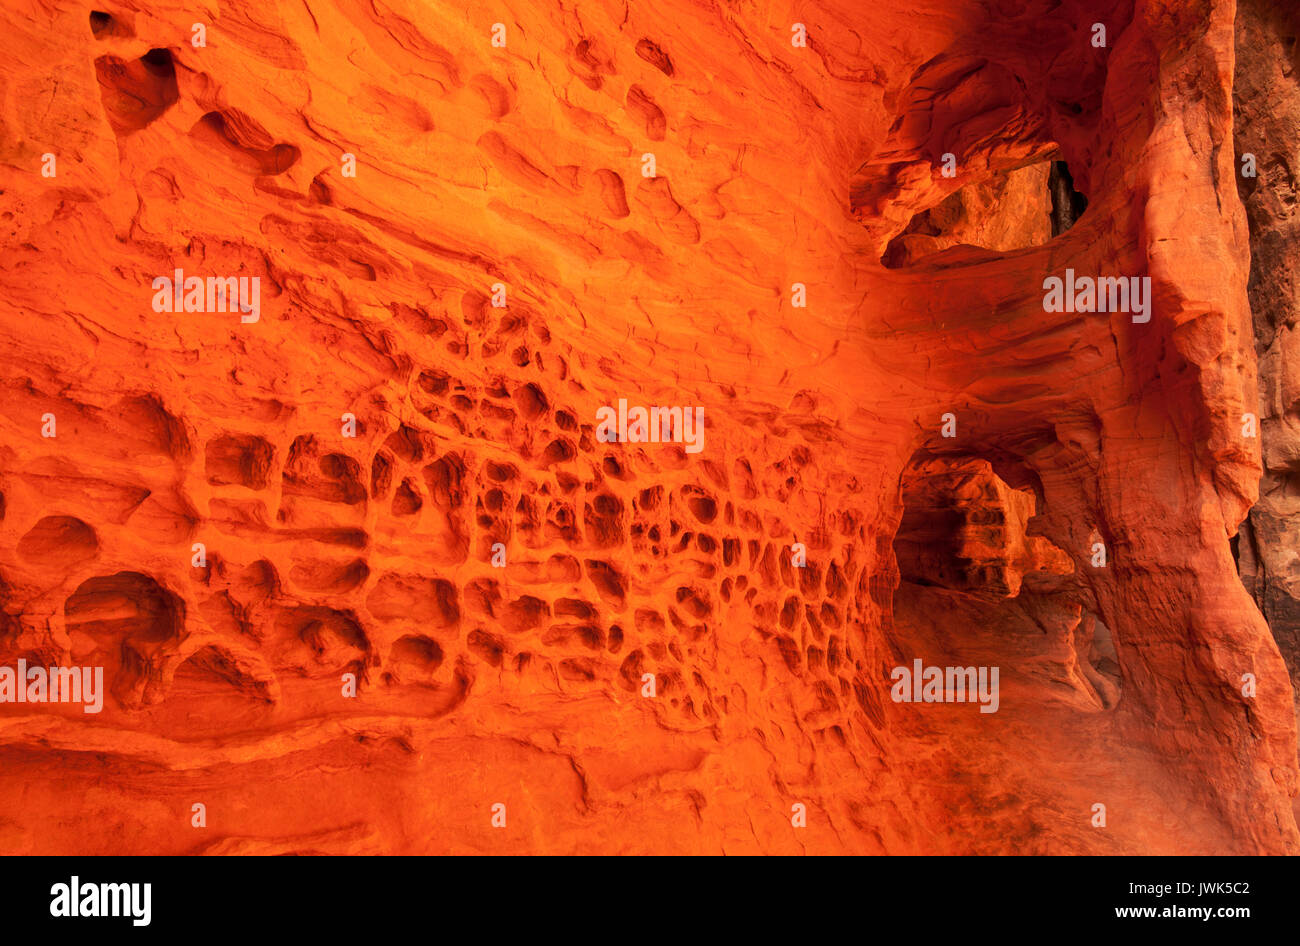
519,167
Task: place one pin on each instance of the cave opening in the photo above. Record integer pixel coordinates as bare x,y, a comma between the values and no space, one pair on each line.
1068,204
981,586
1016,209
966,530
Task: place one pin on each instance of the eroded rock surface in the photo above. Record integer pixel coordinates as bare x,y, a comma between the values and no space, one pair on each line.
1267,107
498,270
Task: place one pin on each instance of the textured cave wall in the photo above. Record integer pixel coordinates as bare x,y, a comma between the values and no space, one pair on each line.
1267,105
521,685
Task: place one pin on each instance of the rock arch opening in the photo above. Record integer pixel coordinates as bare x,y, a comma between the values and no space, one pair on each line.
966,530
980,586
1016,209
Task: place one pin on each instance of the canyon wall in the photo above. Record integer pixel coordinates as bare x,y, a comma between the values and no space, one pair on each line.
364,572
1267,116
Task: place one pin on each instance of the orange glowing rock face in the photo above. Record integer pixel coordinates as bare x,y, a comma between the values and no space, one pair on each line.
310,314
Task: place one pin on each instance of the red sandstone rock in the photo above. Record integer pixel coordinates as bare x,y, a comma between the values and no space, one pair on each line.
515,174
1267,127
